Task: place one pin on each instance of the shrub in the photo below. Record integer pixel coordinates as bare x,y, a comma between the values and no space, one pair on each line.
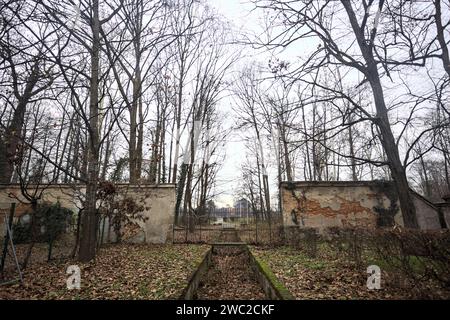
348,242
303,238
419,255
51,219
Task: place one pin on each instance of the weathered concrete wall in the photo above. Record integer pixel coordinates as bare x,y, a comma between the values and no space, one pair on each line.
444,208
347,203
159,208
427,213
158,202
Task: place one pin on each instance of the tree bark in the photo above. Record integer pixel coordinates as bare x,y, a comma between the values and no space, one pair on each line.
89,219
352,153
441,38
387,138
13,133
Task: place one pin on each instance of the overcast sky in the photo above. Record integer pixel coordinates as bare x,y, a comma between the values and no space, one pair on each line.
245,19
238,12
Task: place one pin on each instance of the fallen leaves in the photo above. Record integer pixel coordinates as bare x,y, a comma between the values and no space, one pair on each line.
230,278
326,277
119,272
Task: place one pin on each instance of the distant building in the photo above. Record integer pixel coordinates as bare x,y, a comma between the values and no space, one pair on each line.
242,208
222,212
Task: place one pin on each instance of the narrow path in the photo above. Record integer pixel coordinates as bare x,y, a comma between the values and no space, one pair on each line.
230,277
228,235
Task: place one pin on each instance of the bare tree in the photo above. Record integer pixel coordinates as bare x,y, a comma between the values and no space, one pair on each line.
298,20
26,74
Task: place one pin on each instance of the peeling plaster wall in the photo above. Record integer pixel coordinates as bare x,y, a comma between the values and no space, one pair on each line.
346,203
326,204
159,208
158,202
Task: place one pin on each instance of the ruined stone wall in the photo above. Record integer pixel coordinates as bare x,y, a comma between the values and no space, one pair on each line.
348,203
158,202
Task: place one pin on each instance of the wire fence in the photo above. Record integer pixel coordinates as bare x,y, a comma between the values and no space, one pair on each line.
46,233
29,238
251,230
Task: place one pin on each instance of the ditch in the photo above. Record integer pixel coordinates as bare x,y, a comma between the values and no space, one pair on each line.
229,277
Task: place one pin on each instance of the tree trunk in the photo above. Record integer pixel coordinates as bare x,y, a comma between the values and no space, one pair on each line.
352,154
387,138
34,229
178,124
308,160
390,147
13,133
7,236
445,56
89,218
136,134
180,188
260,187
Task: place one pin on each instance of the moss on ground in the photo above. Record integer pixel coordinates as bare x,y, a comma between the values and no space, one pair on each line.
331,275
282,290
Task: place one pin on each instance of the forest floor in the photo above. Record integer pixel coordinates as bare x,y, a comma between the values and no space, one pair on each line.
161,272
122,271
333,278
230,277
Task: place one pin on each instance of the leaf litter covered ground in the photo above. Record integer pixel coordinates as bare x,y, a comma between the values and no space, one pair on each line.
230,277
328,277
122,271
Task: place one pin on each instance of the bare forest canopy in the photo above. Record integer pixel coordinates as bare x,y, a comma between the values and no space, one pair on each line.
154,91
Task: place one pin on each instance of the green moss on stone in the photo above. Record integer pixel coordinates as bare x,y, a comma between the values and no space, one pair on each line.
265,269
